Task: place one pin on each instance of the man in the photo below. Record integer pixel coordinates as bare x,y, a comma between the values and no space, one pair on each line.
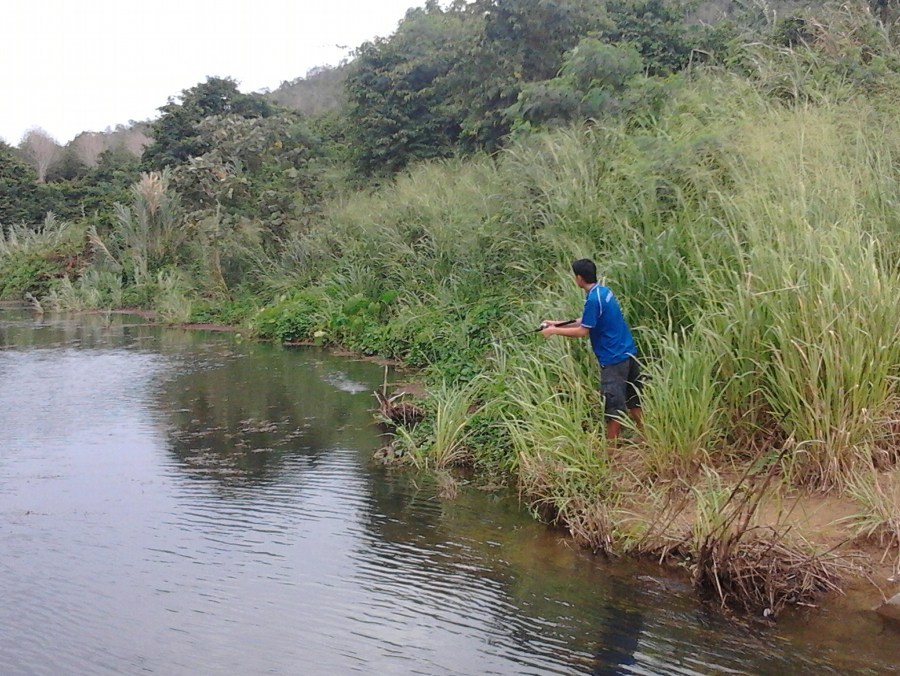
612,343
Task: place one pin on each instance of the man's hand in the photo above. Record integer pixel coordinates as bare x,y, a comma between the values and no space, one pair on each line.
548,328
570,329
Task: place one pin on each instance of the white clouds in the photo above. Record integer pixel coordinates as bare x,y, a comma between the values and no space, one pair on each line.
70,67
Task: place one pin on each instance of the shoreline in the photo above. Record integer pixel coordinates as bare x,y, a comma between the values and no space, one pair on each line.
798,533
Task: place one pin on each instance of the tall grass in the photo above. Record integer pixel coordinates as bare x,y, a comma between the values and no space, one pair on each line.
879,515
683,423
445,443
151,230
752,245
32,258
21,238
809,311
549,410
96,288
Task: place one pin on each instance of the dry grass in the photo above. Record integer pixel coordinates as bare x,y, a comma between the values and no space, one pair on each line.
878,521
760,570
742,561
571,498
758,567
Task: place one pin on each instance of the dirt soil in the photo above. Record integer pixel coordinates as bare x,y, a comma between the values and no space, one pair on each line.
825,521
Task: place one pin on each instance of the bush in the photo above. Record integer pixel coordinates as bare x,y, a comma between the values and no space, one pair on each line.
294,318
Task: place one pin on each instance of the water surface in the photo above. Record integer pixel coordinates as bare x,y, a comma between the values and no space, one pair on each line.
180,502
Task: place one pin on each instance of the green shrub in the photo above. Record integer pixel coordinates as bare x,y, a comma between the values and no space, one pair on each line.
294,318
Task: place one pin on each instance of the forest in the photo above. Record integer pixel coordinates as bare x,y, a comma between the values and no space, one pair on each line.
734,169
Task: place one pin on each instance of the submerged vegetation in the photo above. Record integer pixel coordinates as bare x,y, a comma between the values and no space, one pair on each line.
738,185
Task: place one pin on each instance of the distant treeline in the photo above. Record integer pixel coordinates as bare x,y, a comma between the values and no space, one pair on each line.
451,80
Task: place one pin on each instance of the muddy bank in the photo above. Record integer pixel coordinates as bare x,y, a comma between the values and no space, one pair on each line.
765,550
211,327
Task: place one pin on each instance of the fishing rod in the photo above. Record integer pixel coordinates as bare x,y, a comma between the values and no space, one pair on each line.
539,329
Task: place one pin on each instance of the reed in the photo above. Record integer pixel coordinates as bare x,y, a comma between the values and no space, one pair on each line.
444,443
878,520
151,229
17,239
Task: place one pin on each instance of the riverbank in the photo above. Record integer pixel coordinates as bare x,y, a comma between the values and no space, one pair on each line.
245,502
754,255
776,551
746,539
842,568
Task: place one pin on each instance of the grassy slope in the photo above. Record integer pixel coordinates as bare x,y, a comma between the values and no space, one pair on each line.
754,247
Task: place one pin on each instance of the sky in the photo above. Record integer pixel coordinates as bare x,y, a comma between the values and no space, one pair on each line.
68,66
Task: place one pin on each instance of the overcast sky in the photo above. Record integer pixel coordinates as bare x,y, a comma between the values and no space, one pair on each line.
69,66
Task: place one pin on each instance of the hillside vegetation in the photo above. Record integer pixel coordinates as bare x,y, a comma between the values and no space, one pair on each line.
738,185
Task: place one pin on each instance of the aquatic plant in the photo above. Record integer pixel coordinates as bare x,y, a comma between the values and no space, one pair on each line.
442,443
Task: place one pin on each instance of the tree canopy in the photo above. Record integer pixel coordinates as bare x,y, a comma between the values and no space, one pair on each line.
449,80
175,135
19,195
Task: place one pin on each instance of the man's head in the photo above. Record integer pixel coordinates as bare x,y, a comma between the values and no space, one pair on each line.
585,272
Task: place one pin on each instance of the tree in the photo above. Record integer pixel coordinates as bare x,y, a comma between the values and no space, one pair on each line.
444,80
175,136
522,41
68,167
402,105
133,139
592,82
19,200
320,92
41,151
88,146
656,28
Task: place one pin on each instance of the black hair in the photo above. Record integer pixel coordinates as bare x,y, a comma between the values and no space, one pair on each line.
585,268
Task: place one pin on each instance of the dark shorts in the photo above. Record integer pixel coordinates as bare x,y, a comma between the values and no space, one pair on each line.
620,385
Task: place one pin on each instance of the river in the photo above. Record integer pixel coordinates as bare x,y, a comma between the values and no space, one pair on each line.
178,502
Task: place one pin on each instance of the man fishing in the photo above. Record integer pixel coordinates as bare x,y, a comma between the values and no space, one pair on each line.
612,343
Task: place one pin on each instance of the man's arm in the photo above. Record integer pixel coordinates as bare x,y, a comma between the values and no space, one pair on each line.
576,331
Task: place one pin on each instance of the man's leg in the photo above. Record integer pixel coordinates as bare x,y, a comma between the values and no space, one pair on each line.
637,414
613,428
612,387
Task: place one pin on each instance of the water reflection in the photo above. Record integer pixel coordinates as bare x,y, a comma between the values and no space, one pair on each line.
620,635
182,503
242,419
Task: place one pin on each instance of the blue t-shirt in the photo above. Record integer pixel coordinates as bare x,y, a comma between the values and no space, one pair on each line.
610,336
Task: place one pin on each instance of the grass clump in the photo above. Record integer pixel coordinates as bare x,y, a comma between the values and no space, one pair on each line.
750,565
878,520
681,432
33,259
442,442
